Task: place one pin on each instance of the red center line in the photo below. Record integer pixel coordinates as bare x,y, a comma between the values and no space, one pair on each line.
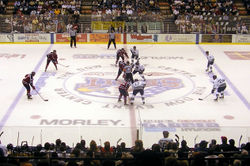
133,126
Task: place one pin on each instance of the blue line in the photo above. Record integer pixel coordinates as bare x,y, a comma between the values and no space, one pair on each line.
236,91
19,95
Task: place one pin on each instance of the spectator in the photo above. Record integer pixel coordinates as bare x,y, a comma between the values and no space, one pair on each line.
163,142
244,29
3,150
224,146
107,151
232,146
213,147
138,146
183,151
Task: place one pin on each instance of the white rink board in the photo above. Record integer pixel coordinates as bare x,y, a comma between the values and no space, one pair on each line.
83,97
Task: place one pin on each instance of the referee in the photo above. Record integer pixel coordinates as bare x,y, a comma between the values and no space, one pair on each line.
112,38
72,33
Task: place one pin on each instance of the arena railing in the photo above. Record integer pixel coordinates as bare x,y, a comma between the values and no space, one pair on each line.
162,160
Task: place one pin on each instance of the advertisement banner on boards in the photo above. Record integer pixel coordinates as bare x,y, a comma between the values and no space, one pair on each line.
31,37
64,37
177,38
241,38
6,38
216,38
142,38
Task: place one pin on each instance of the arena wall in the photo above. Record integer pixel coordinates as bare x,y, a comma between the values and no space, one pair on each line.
102,38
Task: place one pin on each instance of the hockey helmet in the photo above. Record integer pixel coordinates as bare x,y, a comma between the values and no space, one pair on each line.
207,52
214,77
33,73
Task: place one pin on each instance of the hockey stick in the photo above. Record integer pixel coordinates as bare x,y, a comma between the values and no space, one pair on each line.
41,96
240,140
205,97
41,137
178,138
17,142
195,139
100,142
63,65
1,133
118,141
32,141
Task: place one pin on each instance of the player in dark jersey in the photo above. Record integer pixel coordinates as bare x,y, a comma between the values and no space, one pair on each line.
28,82
51,57
120,70
123,89
121,53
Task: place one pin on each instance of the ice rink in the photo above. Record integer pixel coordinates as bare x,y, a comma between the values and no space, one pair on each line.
82,98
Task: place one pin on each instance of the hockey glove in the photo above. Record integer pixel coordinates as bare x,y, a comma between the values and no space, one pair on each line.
212,90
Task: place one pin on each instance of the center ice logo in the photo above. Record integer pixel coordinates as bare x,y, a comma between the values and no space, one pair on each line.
97,84
100,87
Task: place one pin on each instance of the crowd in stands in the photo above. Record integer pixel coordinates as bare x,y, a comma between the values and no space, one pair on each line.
164,153
247,4
197,16
191,16
3,4
126,10
31,16
33,7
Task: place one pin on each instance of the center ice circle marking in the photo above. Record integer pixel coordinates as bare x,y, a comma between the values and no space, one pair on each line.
98,85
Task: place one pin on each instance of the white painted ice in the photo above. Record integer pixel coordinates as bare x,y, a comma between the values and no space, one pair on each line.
83,97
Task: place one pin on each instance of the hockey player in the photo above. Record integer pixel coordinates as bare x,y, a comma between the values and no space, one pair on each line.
140,69
135,53
218,87
52,56
123,89
210,62
28,82
138,87
128,72
121,53
120,70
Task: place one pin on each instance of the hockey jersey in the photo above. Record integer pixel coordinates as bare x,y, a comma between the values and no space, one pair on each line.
52,56
121,53
28,79
219,82
121,65
138,85
139,68
128,69
134,52
124,85
210,58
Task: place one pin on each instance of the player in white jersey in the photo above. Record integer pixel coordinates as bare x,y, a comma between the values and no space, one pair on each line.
135,53
138,87
128,72
210,62
218,87
140,69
